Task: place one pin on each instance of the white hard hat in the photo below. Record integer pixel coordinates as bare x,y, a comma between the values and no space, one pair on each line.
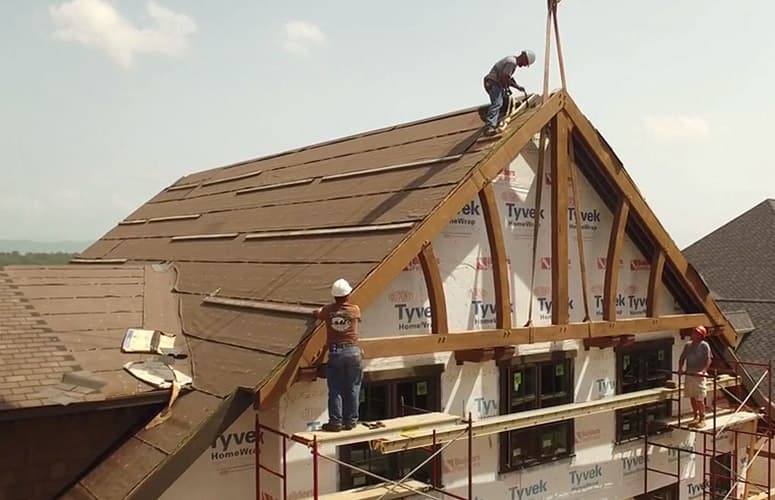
341,288
530,55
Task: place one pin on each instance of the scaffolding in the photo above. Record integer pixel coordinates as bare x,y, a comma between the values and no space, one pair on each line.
389,488
722,421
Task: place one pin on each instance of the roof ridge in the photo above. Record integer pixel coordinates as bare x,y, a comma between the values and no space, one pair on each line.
770,202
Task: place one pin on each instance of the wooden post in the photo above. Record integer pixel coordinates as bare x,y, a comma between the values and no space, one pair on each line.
655,278
560,172
500,265
618,229
430,270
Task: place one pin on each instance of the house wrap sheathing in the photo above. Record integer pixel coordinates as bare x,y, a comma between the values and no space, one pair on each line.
598,465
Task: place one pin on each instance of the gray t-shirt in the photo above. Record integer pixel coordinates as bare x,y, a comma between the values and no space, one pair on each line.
502,70
697,356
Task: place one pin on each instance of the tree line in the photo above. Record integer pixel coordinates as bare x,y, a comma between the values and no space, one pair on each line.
46,259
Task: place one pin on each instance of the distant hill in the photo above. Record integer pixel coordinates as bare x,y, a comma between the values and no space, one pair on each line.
27,246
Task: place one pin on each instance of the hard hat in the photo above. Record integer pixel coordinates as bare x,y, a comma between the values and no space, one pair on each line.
701,330
341,288
530,55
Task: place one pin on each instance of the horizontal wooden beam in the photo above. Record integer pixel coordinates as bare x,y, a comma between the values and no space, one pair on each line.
407,345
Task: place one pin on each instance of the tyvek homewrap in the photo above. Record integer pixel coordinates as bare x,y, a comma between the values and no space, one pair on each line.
599,468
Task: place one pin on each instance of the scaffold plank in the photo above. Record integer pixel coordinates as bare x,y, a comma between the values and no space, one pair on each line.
513,421
401,426
379,491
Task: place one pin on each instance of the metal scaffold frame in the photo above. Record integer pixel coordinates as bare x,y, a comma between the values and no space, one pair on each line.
710,477
434,451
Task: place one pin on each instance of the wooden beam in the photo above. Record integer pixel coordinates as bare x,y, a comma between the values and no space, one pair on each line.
407,345
655,279
689,278
435,287
561,170
612,263
500,264
501,155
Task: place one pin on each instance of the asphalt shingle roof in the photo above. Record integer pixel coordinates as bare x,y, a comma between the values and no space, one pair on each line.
737,261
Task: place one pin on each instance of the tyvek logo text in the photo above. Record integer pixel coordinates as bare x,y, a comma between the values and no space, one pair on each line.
633,465
532,491
468,214
234,444
585,478
410,315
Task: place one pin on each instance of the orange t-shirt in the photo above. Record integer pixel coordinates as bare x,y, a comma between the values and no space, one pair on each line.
341,322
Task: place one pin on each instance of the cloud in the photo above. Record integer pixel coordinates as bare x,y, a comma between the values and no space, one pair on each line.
676,127
301,36
97,24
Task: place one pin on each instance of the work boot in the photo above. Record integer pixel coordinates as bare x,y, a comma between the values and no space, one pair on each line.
490,131
349,425
332,427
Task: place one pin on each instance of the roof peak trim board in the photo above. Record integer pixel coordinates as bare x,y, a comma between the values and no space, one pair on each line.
330,230
260,305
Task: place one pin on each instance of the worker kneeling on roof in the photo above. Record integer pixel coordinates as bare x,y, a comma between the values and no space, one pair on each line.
698,357
497,83
344,371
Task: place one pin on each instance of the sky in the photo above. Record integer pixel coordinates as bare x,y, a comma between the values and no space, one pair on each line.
107,102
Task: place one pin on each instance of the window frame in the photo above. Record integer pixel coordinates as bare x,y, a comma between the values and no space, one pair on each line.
650,412
535,452
672,490
391,379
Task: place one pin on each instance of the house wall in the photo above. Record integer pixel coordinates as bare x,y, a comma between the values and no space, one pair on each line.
42,456
599,468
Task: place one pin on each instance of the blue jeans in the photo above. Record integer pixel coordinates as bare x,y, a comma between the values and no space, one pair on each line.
497,95
344,374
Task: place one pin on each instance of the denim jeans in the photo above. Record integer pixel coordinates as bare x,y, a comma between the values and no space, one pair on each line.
497,95
344,374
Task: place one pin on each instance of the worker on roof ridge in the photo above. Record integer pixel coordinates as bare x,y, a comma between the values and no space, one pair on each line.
497,83
344,371
698,357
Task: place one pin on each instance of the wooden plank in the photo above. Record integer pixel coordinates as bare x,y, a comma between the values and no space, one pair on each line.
559,203
406,345
618,176
382,491
612,265
530,418
361,433
370,288
655,278
430,270
500,266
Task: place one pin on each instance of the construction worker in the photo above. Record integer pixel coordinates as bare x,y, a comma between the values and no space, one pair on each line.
497,83
344,371
697,357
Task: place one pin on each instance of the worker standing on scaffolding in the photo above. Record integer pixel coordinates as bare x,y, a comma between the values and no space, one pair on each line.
497,83
344,371
697,357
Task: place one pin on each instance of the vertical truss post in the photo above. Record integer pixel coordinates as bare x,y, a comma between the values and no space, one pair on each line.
430,270
655,278
618,229
645,454
500,267
560,167
435,463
